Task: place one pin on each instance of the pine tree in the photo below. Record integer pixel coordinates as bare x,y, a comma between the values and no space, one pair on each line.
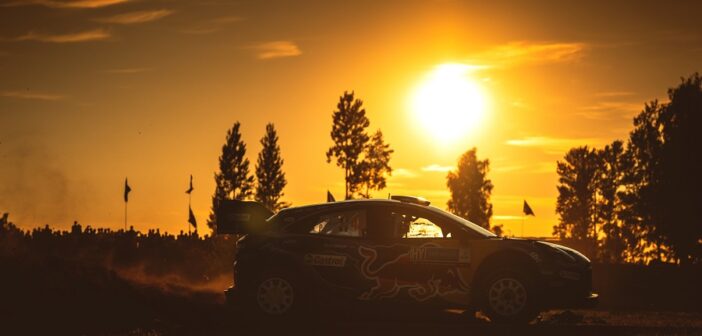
350,138
233,180
269,172
577,188
471,189
376,164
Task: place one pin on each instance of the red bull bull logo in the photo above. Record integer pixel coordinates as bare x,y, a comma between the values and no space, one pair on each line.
400,270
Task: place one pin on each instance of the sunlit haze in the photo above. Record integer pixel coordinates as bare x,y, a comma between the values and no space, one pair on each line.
148,89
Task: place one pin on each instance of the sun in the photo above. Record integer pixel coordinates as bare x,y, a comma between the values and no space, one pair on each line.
448,103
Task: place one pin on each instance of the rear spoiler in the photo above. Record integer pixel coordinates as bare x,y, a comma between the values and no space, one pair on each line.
241,217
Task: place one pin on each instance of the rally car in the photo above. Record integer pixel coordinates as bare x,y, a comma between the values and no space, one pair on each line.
394,251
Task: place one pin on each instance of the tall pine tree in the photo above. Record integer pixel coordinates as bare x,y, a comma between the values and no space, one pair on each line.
471,189
350,138
269,172
233,181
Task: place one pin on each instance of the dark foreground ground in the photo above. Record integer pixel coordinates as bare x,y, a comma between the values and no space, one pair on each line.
59,298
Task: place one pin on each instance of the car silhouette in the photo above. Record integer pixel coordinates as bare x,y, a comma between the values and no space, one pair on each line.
398,251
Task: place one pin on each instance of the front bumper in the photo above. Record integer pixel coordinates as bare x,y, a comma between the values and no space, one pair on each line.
569,288
589,302
231,296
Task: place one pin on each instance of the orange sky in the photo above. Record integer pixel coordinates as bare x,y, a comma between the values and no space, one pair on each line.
92,91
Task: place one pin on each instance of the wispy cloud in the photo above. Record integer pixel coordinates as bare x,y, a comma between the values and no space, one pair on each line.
523,52
127,71
403,172
30,95
611,94
533,168
212,26
554,145
610,109
137,17
277,49
436,168
66,3
84,36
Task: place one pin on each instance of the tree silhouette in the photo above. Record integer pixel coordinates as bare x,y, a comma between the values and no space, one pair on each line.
233,180
612,165
375,165
270,177
577,187
470,189
350,138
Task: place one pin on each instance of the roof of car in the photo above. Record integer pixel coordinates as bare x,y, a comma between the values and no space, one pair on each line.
339,204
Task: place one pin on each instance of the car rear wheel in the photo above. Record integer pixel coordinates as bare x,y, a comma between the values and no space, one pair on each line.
277,294
509,298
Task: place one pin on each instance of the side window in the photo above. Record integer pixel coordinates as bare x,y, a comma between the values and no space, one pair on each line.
419,227
345,224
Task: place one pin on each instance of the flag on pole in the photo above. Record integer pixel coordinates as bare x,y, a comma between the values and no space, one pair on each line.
127,189
330,197
191,217
191,185
527,209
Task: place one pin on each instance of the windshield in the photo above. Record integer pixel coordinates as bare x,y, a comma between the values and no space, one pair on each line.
466,223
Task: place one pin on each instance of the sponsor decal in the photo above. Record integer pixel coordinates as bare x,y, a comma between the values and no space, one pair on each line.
430,254
329,260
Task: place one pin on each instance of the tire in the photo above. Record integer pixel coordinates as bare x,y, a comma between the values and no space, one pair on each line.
509,297
277,294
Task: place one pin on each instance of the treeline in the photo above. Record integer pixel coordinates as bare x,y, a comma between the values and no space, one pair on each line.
639,200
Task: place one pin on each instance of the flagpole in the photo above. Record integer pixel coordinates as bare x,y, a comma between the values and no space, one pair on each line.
190,196
125,216
523,226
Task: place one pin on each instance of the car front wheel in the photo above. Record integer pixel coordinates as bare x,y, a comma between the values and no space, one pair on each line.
509,298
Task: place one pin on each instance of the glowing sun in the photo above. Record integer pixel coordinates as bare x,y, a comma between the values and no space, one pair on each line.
449,104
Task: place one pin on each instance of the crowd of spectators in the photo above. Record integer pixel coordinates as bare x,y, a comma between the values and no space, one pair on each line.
189,256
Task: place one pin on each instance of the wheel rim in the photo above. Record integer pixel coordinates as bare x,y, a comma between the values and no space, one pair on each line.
507,296
275,296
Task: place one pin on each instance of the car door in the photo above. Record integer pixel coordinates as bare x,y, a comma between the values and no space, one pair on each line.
414,258
328,243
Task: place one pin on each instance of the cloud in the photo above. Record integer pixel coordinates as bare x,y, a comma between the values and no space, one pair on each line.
66,3
84,36
31,95
137,17
609,94
546,167
436,168
127,71
277,49
610,109
555,145
523,52
212,26
403,172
